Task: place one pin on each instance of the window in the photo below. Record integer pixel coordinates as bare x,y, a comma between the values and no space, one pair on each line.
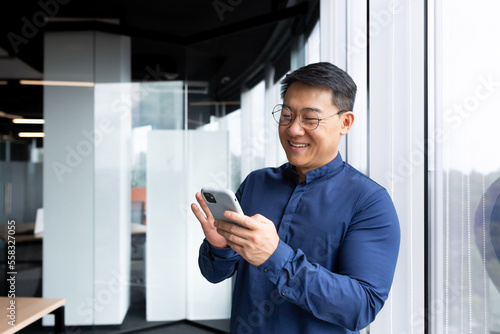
313,48
467,168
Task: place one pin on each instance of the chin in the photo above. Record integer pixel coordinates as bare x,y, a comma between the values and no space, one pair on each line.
295,162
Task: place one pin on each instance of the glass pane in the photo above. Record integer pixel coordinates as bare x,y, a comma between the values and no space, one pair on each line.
313,46
468,161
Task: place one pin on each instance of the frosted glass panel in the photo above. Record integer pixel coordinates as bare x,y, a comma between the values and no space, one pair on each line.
166,228
208,166
68,199
179,164
111,138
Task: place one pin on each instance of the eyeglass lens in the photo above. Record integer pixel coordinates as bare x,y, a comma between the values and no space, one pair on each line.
308,118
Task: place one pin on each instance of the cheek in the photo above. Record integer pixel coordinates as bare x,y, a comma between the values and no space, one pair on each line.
282,133
325,139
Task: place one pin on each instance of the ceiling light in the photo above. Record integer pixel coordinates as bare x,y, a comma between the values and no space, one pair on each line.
11,116
82,19
31,134
3,82
57,83
28,121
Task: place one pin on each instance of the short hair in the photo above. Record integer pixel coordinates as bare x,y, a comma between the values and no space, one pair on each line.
324,75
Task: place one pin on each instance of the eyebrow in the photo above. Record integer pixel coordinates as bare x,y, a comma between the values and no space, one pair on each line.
319,111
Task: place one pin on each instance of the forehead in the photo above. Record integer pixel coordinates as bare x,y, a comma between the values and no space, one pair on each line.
299,95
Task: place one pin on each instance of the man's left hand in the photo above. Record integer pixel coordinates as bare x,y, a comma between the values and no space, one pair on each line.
255,243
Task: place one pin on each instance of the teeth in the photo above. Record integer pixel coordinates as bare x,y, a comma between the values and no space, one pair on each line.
298,145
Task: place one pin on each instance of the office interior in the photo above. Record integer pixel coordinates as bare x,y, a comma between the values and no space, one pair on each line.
136,105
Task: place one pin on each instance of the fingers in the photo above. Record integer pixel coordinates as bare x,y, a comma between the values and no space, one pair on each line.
225,228
256,243
204,217
197,212
243,220
204,207
234,234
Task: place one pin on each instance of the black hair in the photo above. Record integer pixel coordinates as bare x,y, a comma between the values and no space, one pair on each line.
324,75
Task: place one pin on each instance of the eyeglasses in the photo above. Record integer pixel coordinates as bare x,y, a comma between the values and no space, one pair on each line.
308,118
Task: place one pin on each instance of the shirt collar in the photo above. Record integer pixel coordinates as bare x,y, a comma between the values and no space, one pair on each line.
333,167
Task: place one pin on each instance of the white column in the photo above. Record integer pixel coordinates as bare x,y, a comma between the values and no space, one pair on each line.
357,55
86,247
333,30
396,130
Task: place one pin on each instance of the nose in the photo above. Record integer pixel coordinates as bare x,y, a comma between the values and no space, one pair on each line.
295,129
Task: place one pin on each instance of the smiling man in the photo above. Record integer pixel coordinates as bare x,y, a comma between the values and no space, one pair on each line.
321,241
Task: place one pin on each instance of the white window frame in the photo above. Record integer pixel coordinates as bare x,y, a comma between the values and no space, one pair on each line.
388,141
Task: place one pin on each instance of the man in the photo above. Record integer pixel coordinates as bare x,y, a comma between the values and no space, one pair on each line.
321,240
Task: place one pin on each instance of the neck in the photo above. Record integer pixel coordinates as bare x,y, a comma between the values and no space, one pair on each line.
303,171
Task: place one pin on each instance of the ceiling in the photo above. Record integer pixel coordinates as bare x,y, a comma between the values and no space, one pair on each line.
221,42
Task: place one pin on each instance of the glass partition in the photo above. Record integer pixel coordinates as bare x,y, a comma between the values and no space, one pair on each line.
467,176
141,242
173,156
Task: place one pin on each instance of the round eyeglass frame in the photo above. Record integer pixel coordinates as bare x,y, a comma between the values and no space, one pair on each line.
277,116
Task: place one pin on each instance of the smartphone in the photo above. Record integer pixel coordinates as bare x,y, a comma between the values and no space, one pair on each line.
220,200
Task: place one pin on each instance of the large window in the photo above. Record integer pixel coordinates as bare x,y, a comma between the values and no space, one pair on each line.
313,45
467,175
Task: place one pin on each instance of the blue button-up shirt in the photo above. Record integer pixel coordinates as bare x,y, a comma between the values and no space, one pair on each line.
334,265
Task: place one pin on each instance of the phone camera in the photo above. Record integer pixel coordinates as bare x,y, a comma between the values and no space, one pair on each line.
209,197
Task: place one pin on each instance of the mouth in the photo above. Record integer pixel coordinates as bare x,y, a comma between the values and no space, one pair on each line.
298,145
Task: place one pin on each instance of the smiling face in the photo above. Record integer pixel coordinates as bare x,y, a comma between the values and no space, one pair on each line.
308,150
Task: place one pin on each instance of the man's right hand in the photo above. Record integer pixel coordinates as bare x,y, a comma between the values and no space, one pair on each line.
207,223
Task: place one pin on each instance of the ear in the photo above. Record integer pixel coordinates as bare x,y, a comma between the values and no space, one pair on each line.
346,122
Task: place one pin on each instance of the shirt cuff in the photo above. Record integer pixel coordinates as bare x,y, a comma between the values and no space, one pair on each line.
273,267
223,253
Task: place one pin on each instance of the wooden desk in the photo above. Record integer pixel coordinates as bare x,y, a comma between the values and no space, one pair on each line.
29,310
24,232
138,229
